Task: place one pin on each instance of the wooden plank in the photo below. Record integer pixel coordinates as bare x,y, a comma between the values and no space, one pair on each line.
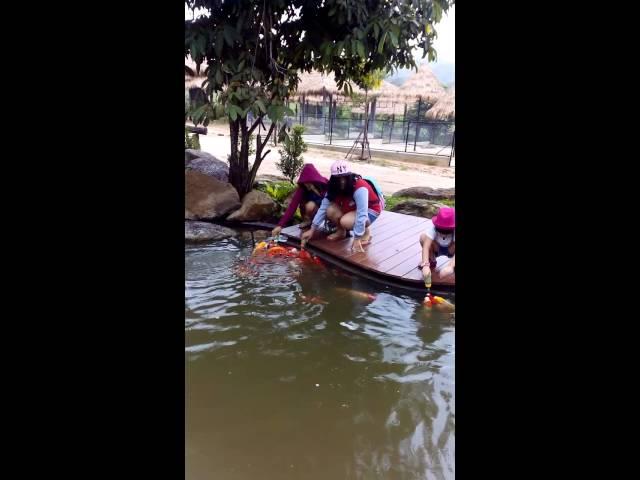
394,246
393,255
407,248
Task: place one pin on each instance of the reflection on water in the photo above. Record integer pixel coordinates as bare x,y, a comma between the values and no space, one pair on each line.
290,375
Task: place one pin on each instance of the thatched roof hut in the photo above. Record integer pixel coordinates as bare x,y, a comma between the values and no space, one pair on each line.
444,108
316,84
387,91
422,83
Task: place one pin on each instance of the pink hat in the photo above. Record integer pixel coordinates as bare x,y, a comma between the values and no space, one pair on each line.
445,218
340,168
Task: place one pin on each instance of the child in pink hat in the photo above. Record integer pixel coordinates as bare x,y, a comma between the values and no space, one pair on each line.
439,240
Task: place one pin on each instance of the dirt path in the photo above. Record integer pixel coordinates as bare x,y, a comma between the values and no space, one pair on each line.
392,175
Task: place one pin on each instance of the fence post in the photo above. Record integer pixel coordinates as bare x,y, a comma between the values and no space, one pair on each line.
415,140
406,140
453,146
393,120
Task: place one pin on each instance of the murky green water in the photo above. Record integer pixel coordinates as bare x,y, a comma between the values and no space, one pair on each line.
281,385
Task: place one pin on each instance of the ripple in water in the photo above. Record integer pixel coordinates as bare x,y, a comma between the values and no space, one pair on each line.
286,368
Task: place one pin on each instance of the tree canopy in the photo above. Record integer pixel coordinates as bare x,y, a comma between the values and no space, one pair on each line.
255,49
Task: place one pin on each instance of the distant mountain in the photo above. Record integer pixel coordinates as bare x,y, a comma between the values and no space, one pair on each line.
445,72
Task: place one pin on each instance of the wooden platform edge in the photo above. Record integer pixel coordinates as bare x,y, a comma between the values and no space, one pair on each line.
414,286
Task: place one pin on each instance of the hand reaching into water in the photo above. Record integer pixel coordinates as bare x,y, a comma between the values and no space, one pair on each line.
306,236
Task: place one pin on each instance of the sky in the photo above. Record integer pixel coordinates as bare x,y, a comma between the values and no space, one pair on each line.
445,44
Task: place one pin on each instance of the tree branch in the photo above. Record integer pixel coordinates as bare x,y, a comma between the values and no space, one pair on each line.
266,139
255,124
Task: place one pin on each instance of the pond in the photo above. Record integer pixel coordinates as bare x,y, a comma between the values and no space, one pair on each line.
298,370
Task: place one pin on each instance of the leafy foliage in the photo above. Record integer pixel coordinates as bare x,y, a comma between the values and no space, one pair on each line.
255,49
291,160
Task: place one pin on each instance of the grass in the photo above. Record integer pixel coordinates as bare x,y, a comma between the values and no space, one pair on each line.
392,201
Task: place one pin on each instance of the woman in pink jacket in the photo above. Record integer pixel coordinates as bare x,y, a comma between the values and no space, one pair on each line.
312,188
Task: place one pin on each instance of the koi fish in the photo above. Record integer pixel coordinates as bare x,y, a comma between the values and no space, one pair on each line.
304,255
438,303
313,300
262,246
357,294
276,251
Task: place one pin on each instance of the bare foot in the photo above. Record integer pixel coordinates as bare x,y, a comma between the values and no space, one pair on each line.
338,235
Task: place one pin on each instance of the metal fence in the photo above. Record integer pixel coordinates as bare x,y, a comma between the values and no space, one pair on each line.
415,136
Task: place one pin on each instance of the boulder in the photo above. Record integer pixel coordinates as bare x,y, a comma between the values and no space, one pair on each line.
207,198
256,206
203,162
203,231
262,180
418,207
427,193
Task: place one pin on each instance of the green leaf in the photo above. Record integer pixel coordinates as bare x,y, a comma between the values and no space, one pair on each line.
381,43
437,12
219,43
219,77
360,48
332,12
241,65
394,38
376,30
234,110
228,35
261,106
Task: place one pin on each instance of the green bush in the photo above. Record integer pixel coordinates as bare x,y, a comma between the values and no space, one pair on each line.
291,161
279,191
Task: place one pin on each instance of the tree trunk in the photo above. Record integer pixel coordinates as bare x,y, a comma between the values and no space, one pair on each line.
234,161
240,176
372,115
366,123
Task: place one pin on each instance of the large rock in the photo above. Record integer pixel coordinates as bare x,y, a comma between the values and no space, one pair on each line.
206,163
203,232
418,207
207,198
256,206
262,180
427,193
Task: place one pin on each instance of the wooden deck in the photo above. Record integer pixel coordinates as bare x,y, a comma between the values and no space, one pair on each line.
392,257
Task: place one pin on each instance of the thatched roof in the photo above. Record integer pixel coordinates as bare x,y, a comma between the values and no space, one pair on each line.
444,108
316,84
422,83
387,90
